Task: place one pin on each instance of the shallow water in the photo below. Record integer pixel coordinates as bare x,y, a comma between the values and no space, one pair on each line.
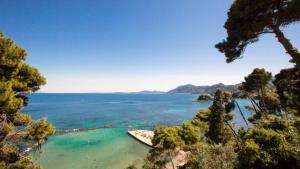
107,148
104,148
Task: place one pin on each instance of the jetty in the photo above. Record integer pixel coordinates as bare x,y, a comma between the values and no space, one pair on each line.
63,131
144,136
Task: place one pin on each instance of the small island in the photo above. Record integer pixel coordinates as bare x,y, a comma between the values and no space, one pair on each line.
204,98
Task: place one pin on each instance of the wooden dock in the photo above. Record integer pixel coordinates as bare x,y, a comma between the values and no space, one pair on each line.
144,136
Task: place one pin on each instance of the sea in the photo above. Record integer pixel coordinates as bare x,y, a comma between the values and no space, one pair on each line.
108,147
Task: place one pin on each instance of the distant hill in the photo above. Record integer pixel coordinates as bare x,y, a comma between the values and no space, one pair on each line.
189,88
149,92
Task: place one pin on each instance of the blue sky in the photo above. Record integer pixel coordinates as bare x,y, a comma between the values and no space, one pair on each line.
132,45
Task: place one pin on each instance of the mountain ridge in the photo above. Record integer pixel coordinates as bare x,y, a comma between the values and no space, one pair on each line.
205,89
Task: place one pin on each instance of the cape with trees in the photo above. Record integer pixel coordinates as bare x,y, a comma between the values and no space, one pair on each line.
270,138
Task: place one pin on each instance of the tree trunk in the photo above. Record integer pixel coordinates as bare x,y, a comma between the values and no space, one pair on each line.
263,99
241,112
171,159
260,100
256,111
293,52
258,106
234,134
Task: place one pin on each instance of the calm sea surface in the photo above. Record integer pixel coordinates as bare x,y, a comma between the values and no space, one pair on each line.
107,148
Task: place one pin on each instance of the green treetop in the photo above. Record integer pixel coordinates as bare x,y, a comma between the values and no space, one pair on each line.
287,83
216,123
256,84
249,19
190,133
273,144
256,81
167,137
219,115
201,119
17,80
166,142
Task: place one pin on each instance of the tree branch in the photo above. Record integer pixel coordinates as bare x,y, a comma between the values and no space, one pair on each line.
241,112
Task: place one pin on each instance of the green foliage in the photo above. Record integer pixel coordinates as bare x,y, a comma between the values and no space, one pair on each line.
287,83
203,115
5,129
220,113
201,120
249,19
190,133
23,163
167,137
256,85
272,102
40,130
273,141
274,144
166,142
216,123
208,156
256,80
8,153
190,136
238,94
204,98
9,159
17,80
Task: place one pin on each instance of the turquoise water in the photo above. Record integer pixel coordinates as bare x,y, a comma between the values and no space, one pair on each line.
107,148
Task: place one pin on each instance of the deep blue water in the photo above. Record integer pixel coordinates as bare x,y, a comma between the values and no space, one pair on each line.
119,110
87,110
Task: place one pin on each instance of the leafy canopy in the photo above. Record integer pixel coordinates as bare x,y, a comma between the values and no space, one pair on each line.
17,130
249,19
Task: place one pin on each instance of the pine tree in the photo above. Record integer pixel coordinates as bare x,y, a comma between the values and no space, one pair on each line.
255,85
272,144
249,19
287,83
17,80
217,119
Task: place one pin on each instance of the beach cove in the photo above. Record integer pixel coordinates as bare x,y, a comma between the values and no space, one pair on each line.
112,147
